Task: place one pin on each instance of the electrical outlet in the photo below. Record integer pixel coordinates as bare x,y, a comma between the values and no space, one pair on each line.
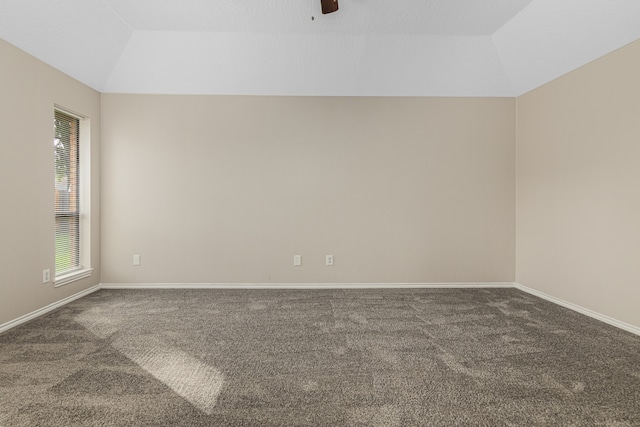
329,260
297,260
136,260
46,276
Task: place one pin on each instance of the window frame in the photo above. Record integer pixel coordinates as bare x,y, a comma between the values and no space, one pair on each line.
84,269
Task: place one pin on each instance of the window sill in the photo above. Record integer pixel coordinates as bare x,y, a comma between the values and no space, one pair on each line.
72,277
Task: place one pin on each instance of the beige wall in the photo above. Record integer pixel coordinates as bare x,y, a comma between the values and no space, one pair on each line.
28,91
217,189
578,194
226,189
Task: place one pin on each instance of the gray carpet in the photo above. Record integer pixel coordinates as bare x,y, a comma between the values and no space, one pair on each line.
402,357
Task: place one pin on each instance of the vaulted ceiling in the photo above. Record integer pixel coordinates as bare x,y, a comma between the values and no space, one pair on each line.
274,47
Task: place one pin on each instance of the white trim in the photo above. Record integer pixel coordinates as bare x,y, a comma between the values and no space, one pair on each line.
69,112
467,285
39,312
304,285
72,277
595,315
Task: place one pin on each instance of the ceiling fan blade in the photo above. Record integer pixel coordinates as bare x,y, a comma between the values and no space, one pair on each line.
329,6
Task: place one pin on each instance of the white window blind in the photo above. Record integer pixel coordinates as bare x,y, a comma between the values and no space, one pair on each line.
67,192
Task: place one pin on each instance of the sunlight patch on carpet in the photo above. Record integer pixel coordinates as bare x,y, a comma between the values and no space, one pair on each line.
189,377
192,379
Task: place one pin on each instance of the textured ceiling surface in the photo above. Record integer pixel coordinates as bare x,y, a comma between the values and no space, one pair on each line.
368,47
365,17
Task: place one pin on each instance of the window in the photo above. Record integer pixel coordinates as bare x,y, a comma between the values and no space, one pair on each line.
71,216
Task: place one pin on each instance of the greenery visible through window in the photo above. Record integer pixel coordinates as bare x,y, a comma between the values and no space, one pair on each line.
67,192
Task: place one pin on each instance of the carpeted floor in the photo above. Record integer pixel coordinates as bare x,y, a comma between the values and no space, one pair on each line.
402,357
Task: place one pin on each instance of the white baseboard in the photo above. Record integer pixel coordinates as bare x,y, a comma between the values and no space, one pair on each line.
22,319
603,318
304,285
462,285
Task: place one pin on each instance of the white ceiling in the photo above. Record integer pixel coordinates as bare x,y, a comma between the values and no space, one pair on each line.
273,47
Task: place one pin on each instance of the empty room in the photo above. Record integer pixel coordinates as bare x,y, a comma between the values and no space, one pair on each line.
320,213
